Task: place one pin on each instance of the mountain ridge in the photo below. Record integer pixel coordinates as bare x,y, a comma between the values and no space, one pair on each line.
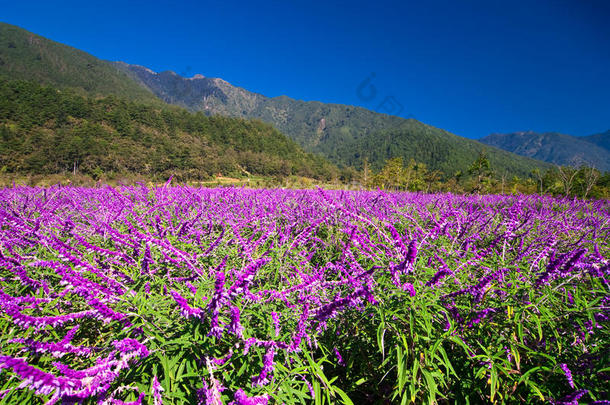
51,122
556,148
346,135
46,131
602,139
28,56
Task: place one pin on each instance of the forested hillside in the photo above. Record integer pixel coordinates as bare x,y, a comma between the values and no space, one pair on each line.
346,135
27,56
557,148
44,130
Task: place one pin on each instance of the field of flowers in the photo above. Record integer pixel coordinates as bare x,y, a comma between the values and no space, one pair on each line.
176,295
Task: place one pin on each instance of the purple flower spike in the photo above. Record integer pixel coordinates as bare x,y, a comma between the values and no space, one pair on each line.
211,395
571,399
339,357
235,326
568,374
216,303
242,399
412,252
264,377
39,381
157,389
438,277
185,309
409,288
276,322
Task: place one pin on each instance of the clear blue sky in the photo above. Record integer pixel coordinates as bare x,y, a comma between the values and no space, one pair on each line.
471,67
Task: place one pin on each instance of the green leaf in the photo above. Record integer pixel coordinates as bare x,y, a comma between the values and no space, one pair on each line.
343,395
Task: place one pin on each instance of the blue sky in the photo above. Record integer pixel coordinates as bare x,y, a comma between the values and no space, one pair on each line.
470,67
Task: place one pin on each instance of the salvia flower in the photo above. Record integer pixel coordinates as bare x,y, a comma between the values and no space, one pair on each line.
339,357
264,377
223,360
301,328
108,315
185,309
571,399
235,325
409,288
211,394
57,350
242,399
276,322
247,276
39,381
438,277
26,321
412,252
216,303
567,373
70,335
330,310
480,315
157,389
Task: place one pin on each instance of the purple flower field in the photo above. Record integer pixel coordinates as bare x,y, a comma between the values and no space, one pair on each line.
176,295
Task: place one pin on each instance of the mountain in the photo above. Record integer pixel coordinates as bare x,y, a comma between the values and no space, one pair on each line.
27,56
556,148
346,135
47,131
602,140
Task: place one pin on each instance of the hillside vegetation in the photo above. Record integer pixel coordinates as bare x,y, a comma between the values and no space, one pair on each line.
344,134
557,148
44,131
27,56
602,139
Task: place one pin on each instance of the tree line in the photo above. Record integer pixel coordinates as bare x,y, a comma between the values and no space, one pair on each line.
481,178
45,131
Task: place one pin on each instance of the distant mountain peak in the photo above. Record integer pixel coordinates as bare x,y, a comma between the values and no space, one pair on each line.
557,148
344,134
144,68
218,80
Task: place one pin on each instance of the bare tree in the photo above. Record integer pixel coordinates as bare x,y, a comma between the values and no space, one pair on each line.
567,175
366,172
503,178
247,173
590,177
